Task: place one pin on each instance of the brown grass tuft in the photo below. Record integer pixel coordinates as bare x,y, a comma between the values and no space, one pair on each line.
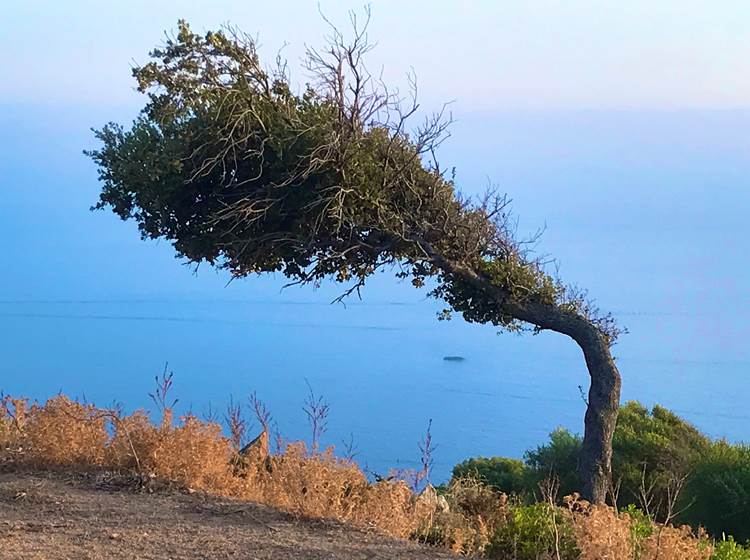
602,535
676,543
61,434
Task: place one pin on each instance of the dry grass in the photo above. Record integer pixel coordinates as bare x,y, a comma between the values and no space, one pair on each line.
64,434
468,518
603,534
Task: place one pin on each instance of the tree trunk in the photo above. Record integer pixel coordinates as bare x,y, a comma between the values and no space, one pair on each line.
595,462
595,466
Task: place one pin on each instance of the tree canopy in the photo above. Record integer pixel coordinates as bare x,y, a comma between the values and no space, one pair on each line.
238,170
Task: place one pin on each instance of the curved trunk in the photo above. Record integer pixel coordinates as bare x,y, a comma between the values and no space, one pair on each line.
595,462
595,466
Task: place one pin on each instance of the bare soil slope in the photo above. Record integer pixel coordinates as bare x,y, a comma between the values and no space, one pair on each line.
53,517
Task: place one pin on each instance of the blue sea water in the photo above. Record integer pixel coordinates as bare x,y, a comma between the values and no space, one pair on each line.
646,209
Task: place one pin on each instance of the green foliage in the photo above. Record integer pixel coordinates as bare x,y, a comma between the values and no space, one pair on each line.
717,495
652,449
728,549
516,274
237,170
522,280
641,528
557,459
532,532
506,475
170,171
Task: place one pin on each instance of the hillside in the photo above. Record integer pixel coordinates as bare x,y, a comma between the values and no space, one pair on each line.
56,517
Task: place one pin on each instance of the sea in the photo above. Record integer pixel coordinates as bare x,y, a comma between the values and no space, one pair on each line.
647,210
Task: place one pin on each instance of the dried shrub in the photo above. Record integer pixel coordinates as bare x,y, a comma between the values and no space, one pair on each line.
602,534
195,454
467,516
237,424
676,543
12,420
191,453
322,485
133,437
61,434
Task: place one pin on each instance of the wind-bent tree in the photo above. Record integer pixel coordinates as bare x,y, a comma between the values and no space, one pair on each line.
237,169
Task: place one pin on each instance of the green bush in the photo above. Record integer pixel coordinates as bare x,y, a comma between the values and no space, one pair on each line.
557,459
717,495
506,475
649,446
652,448
728,549
532,532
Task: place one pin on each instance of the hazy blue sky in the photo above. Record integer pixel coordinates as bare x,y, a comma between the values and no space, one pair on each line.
499,54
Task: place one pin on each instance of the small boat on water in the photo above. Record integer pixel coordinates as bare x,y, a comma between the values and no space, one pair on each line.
453,358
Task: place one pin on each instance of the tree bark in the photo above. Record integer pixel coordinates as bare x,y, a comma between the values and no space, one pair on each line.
595,462
595,466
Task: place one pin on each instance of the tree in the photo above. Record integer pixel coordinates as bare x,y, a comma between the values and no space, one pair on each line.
236,169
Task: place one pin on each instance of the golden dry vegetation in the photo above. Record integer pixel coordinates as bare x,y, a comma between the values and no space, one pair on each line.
466,517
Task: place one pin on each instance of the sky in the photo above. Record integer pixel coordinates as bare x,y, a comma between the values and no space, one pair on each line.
623,128
484,55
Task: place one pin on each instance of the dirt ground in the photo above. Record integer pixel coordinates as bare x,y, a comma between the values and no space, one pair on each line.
54,517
